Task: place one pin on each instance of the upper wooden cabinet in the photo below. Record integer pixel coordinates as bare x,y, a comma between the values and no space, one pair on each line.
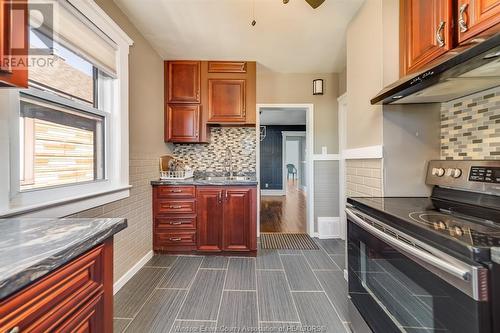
182,123
183,81
227,67
14,41
426,32
226,100
476,16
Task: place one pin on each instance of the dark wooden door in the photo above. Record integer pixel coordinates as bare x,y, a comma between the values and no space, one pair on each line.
210,215
183,81
182,123
426,32
14,41
239,219
226,101
476,16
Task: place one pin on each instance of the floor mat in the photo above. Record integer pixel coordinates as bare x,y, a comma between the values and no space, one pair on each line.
281,241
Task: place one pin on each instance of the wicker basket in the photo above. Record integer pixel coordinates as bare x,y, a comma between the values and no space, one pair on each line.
172,175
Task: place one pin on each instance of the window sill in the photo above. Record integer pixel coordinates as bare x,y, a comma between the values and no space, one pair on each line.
69,206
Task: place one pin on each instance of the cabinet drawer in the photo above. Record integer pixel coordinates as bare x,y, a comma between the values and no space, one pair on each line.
188,222
176,206
175,238
170,192
44,305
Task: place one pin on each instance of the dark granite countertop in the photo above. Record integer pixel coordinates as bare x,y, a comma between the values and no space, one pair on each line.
33,247
207,181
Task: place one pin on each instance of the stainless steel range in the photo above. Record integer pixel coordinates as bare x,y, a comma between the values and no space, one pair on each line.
430,264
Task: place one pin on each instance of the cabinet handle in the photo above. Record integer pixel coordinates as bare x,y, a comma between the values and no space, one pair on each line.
14,330
439,34
461,21
227,196
175,207
219,197
175,239
198,94
175,223
244,111
176,191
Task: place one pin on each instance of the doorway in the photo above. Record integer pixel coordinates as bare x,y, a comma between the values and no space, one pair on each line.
284,168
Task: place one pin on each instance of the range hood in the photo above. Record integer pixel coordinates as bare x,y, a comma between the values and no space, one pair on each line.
475,69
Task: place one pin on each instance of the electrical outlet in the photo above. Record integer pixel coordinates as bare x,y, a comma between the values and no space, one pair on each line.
266,185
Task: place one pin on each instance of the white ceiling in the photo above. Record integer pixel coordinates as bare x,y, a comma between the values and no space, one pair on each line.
292,38
282,116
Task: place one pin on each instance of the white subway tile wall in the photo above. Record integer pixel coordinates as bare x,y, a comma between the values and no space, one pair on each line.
133,243
364,178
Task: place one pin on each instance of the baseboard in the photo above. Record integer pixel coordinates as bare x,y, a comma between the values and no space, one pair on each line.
131,272
272,192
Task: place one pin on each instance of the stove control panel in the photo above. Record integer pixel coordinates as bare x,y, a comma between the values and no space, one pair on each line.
473,175
485,174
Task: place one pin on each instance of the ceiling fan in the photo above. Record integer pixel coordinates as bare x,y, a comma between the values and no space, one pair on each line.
313,3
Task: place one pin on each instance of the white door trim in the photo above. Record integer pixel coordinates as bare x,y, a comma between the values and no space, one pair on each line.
342,120
309,158
284,135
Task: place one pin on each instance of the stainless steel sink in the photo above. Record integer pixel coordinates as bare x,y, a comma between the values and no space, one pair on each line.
224,178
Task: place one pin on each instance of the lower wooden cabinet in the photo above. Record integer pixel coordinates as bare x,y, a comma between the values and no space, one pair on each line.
77,297
224,219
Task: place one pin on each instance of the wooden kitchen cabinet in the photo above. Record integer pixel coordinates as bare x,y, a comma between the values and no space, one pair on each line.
476,16
210,218
239,219
183,81
223,220
182,123
14,41
78,297
226,101
426,32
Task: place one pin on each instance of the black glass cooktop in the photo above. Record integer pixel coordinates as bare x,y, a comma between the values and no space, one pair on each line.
456,234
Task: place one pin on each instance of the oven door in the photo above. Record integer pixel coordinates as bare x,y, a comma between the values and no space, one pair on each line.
400,284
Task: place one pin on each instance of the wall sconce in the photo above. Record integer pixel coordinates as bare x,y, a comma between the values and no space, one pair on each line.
318,87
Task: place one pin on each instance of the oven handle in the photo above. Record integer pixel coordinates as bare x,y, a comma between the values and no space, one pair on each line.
422,255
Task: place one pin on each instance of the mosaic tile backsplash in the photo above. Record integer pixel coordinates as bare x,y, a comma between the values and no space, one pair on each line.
470,127
210,158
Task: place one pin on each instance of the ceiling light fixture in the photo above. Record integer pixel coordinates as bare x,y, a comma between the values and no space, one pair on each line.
313,3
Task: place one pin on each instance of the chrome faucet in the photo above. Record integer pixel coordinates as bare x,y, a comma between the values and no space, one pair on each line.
229,162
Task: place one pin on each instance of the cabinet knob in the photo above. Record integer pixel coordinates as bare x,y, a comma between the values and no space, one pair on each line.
14,330
439,34
461,20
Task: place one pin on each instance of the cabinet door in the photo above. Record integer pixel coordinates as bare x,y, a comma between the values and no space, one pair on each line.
239,219
13,43
209,213
426,32
226,101
476,16
183,81
87,319
182,123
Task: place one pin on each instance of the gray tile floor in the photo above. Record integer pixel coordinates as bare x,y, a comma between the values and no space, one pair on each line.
278,291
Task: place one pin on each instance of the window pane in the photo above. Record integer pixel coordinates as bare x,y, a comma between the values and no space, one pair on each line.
64,72
59,146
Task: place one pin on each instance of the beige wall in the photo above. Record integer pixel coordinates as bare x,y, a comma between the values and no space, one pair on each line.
275,87
146,145
146,88
372,63
343,82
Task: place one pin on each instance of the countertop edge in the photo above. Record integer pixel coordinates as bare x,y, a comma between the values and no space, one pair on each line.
195,182
30,275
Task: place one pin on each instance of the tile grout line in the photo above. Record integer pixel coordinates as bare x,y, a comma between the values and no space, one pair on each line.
290,290
222,293
185,296
147,299
257,294
327,297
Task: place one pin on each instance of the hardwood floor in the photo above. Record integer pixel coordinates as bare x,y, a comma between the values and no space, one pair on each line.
284,213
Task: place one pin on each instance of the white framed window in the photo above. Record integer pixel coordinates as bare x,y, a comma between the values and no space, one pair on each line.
66,146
